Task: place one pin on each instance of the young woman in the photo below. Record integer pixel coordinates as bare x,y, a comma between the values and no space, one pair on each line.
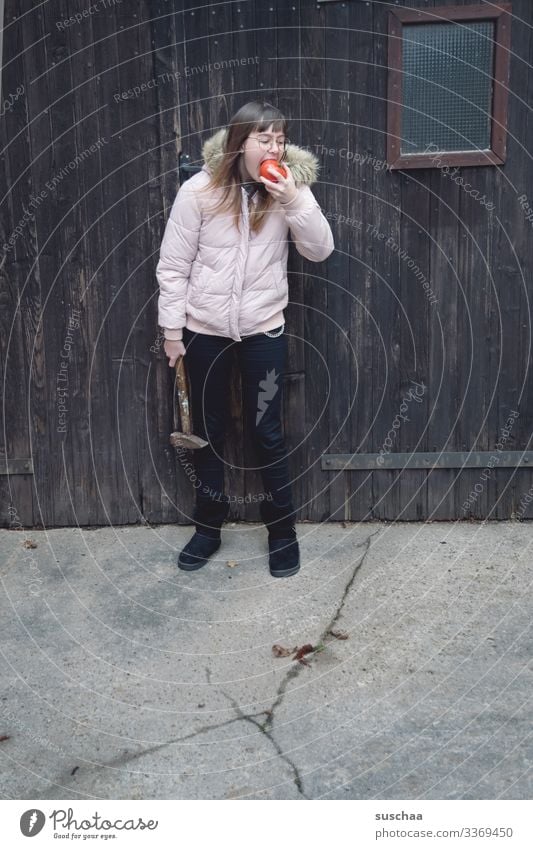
222,274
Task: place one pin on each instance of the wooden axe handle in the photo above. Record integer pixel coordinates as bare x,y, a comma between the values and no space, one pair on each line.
183,396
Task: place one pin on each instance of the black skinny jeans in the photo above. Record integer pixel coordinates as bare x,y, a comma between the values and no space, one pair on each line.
261,359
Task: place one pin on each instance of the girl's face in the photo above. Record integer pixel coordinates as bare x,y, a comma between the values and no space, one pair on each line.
259,146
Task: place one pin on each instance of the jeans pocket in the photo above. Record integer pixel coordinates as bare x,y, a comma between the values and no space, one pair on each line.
277,331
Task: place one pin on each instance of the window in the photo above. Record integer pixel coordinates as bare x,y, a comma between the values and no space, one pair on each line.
448,85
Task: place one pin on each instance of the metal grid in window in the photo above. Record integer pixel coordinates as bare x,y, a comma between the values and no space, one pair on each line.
447,86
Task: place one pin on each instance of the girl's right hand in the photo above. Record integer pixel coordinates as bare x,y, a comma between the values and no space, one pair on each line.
173,350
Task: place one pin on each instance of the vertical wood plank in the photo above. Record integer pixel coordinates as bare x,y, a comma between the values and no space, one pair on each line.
17,319
385,223
365,145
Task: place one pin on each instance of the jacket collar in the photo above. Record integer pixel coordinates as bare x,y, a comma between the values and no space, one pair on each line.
303,164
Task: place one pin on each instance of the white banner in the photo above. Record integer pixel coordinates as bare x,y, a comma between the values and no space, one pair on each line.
270,824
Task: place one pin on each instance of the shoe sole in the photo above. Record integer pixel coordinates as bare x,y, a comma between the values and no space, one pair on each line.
286,573
191,567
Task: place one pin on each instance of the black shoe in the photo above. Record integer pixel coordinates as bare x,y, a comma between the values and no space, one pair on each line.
197,551
284,557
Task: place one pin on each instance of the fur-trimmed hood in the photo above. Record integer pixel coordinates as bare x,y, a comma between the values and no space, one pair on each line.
303,164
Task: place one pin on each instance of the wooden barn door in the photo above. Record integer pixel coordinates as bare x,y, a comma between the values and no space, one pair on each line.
91,139
368,343
92,147
429,414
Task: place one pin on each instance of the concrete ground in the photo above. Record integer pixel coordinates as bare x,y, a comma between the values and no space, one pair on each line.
123,677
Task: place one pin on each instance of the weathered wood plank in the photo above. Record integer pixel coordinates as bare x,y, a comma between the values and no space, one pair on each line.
386,304
314,495
365,147
16,492
336,319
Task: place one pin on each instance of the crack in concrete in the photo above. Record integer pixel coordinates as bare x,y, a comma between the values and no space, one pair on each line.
279,750
292,673
366,544
295,670
127,758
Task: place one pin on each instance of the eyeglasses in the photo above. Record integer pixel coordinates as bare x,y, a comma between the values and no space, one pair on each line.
265,142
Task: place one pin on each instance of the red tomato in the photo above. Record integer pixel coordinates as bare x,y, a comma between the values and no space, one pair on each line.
264,170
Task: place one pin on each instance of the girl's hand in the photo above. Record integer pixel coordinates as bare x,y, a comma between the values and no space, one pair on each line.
285,189
173,350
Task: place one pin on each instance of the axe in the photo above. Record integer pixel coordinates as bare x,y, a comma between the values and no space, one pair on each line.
184,438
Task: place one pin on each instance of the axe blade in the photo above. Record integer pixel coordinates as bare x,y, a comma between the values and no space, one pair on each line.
187,440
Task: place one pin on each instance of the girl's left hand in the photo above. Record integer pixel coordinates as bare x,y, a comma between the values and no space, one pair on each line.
285,189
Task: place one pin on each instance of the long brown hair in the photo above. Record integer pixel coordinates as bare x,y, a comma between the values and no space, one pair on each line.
253,116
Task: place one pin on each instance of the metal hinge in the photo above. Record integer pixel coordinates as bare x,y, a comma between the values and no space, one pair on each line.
185,168
428,460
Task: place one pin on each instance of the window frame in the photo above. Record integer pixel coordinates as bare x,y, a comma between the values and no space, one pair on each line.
497,153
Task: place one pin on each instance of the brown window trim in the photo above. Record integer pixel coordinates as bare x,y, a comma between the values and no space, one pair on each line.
498,149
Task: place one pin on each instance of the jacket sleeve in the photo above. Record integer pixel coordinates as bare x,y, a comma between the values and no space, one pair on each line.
309,228
177,252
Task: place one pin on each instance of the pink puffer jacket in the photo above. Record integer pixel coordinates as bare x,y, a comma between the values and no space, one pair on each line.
215,280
